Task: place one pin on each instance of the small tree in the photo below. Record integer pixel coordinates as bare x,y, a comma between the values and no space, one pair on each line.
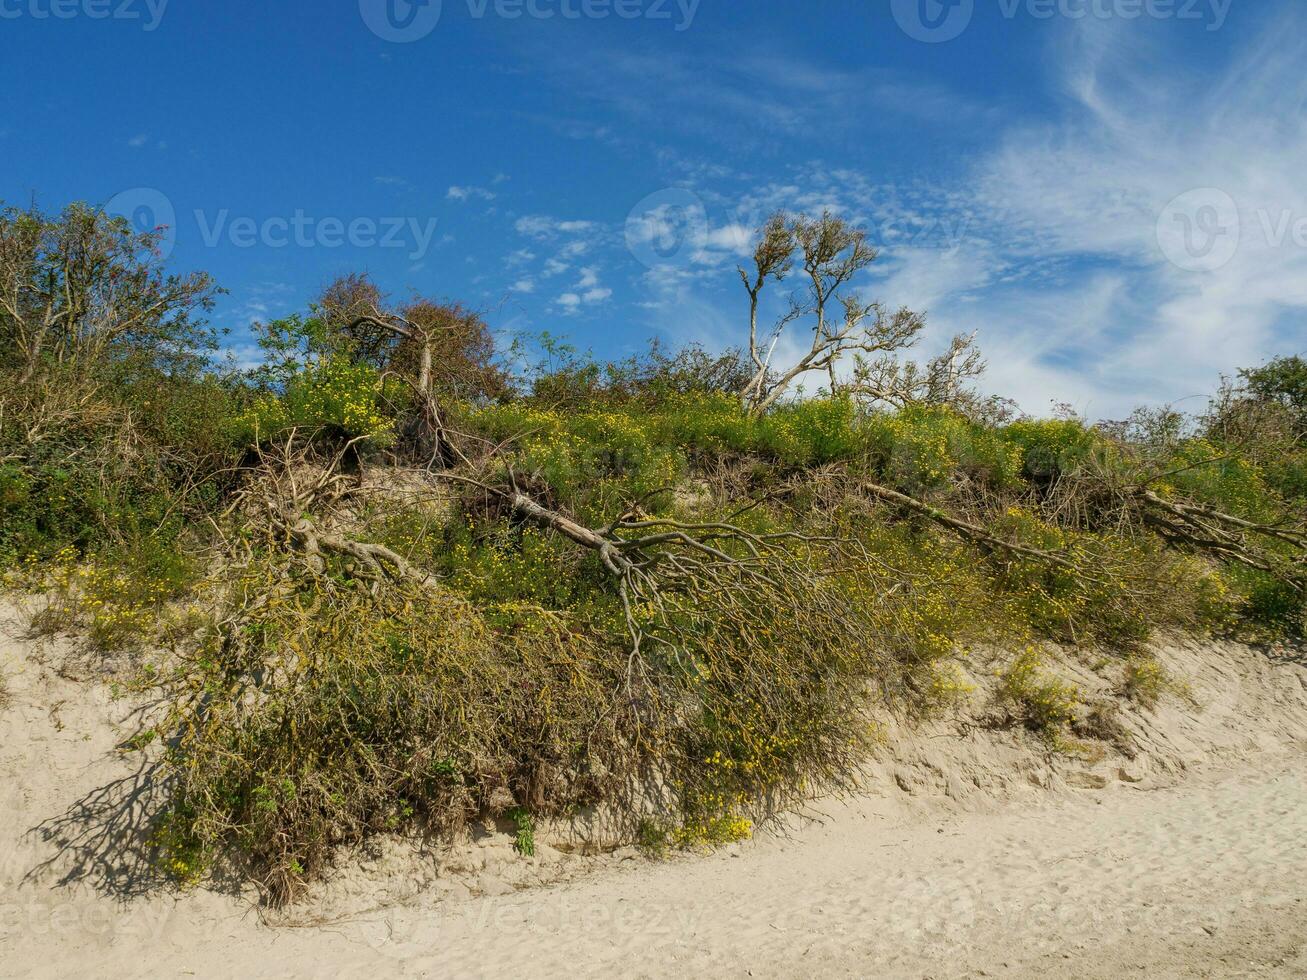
773,258
1264,413
84,289
832,253
439,349
943,380
1284,382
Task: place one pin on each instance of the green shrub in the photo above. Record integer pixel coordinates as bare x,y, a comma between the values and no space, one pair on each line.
332,711
94,470
811,433
1046,705
923,449
1269,607
1050,448
118,602
1145,681
525,839
333,398
379,713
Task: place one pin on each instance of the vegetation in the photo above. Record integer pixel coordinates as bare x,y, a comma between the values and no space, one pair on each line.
383,584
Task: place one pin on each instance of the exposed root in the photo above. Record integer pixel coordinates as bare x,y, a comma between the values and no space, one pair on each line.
376,557
285,491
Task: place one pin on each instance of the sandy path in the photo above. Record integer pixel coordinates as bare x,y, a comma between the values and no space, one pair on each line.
1203,879
1134,881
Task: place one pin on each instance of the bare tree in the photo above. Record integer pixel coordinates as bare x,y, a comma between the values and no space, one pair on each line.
773,258
438,348
833,253
427,429
942,381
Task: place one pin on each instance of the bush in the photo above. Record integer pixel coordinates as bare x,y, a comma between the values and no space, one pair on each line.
1046,705
923,449
1050,448
1145,681
333,710
334,400
119,602
593,461
1268,606
106,470
379,713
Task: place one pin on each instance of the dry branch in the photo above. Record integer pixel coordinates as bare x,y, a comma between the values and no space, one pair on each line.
970,532
656,562
1225,535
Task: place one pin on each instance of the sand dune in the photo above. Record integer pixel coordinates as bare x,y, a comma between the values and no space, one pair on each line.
970,853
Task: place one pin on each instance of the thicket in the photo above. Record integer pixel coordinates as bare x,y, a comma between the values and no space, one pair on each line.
384,583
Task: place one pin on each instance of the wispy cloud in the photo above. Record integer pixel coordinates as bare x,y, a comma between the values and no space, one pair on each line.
142,140
1064,244
748,100
542,227
1100,185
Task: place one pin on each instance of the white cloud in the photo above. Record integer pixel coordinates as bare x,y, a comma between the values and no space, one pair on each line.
541,226
457,193
734,238
587,291
535,226
523,286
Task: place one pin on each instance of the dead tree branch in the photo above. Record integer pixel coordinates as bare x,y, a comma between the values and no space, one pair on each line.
662,566
970,532
1225,535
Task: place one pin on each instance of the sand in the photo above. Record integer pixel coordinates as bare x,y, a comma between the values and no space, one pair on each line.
969,851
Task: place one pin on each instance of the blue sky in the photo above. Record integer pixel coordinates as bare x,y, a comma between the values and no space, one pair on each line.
1109,192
